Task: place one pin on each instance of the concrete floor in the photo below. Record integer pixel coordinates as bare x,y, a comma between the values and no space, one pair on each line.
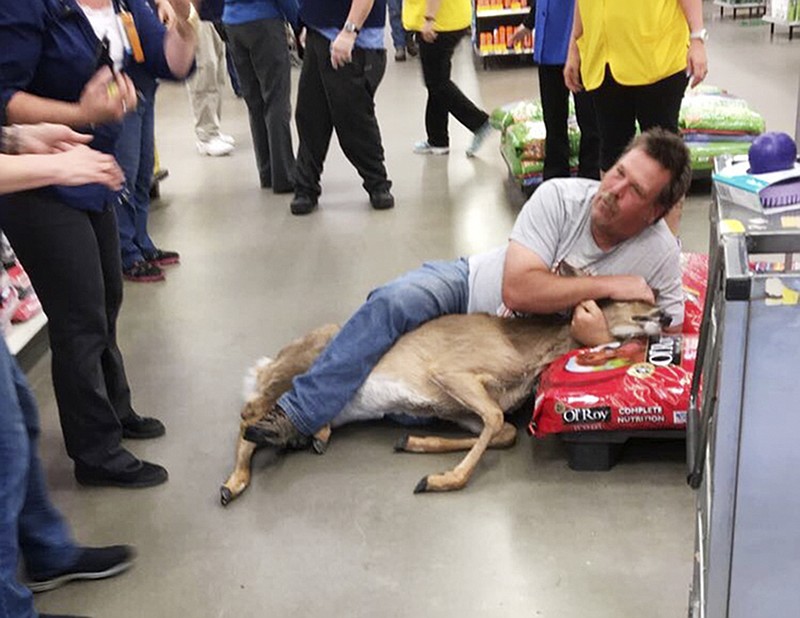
343,535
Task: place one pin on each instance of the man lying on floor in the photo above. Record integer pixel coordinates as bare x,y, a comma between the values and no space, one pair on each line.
612,230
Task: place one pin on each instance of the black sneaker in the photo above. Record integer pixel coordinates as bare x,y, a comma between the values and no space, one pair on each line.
137,427
92,563
161,257
146,475
143,272
275,429
302,204
381,200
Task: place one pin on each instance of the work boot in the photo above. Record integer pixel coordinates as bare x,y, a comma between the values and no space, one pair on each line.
275,429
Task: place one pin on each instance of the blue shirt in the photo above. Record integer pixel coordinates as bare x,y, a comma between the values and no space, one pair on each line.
244,11
553,21
51,51
368,38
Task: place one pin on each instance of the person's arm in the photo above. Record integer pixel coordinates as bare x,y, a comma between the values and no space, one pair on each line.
342,46
525,28
180,41
572,67
530,287
696,59
428,32
79,165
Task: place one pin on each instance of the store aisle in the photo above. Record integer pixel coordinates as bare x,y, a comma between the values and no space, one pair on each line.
343,535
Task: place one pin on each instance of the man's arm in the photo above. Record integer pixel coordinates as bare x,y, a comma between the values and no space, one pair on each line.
696,60
530,287
342,46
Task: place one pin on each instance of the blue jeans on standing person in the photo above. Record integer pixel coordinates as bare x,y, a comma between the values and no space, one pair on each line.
136,156
400,306
396,23
29,523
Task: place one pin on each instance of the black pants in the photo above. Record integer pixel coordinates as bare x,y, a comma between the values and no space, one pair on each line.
262,62
443,95
73,260
618,108
341,99
555,108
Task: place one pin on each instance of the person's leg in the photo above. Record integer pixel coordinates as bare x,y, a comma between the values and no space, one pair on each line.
203,86
229,63
62,256
589,155
313,117
129,157
435,289
659,104
270,56
240,39
144,179
616,118
555,110
396,24
350,92
435,61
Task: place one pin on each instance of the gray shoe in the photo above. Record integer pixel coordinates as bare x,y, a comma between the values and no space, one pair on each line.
400,54
478,138
275,429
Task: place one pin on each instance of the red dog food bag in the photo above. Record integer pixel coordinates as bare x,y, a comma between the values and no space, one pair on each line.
639,384
694,267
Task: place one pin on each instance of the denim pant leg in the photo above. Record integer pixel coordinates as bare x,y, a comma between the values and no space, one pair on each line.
435,289
144,178
128,153
28,521
396,23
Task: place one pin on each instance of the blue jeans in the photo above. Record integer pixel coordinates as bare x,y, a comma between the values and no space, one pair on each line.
435,289
396,22
29,523
136,156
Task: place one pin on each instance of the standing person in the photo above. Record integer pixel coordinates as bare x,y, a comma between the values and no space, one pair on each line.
403,41
141,260
440,26
635,59
257,39
205,86
344,63
30,525
552,20
67,237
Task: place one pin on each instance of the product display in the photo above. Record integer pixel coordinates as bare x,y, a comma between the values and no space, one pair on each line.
18,301
493,26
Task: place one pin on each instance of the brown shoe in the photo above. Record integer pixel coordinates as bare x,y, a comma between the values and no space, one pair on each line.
275,429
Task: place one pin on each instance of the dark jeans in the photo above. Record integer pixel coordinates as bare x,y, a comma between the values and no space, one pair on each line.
29,523
262,62
618,108
72,257
444,97
555,107
341,99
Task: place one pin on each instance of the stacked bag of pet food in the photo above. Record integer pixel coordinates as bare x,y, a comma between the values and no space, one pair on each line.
18,301
641,384
522,139
714,122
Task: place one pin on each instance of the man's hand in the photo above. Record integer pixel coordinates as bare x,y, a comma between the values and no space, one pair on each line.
107,97
180,9
342,49
696,62
629,287
519,35
80,165
166,13
572,68
588,326
46,138
428,33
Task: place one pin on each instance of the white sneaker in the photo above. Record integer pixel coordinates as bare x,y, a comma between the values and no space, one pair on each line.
423,147
215,147
478,138
228,139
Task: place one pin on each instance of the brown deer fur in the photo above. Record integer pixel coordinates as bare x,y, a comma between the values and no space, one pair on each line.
469,369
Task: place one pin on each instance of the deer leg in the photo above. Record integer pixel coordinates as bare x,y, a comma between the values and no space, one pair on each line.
506,438
469,391
320,440
240,477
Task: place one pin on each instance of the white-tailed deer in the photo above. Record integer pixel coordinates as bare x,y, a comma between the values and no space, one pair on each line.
469,369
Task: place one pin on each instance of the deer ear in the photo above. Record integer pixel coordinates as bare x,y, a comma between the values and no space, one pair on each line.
566,270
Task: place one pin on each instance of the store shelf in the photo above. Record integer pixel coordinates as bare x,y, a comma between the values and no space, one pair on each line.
758,7
507,52
502,12
774,21
22,334
492,27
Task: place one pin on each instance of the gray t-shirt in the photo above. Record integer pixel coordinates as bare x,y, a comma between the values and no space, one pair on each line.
555,224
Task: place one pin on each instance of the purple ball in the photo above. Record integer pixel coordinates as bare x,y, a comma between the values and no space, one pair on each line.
772,152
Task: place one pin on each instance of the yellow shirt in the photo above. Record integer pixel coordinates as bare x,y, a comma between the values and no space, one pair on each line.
452,15
643,41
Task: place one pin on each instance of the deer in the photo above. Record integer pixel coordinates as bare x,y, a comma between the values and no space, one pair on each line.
466,368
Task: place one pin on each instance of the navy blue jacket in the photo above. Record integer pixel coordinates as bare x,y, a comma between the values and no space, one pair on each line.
50,50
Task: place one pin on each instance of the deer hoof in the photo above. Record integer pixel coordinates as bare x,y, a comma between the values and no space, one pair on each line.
225,496
422,486
401,445
319,446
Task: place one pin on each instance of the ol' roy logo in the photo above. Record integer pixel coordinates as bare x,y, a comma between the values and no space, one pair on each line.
599,414
664,351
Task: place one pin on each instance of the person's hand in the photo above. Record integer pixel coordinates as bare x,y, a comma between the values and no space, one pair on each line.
519,35
630,287
572,69
588,326
427,33
342,49
80,165
696,62
181,9
166,13
107,97
46,138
